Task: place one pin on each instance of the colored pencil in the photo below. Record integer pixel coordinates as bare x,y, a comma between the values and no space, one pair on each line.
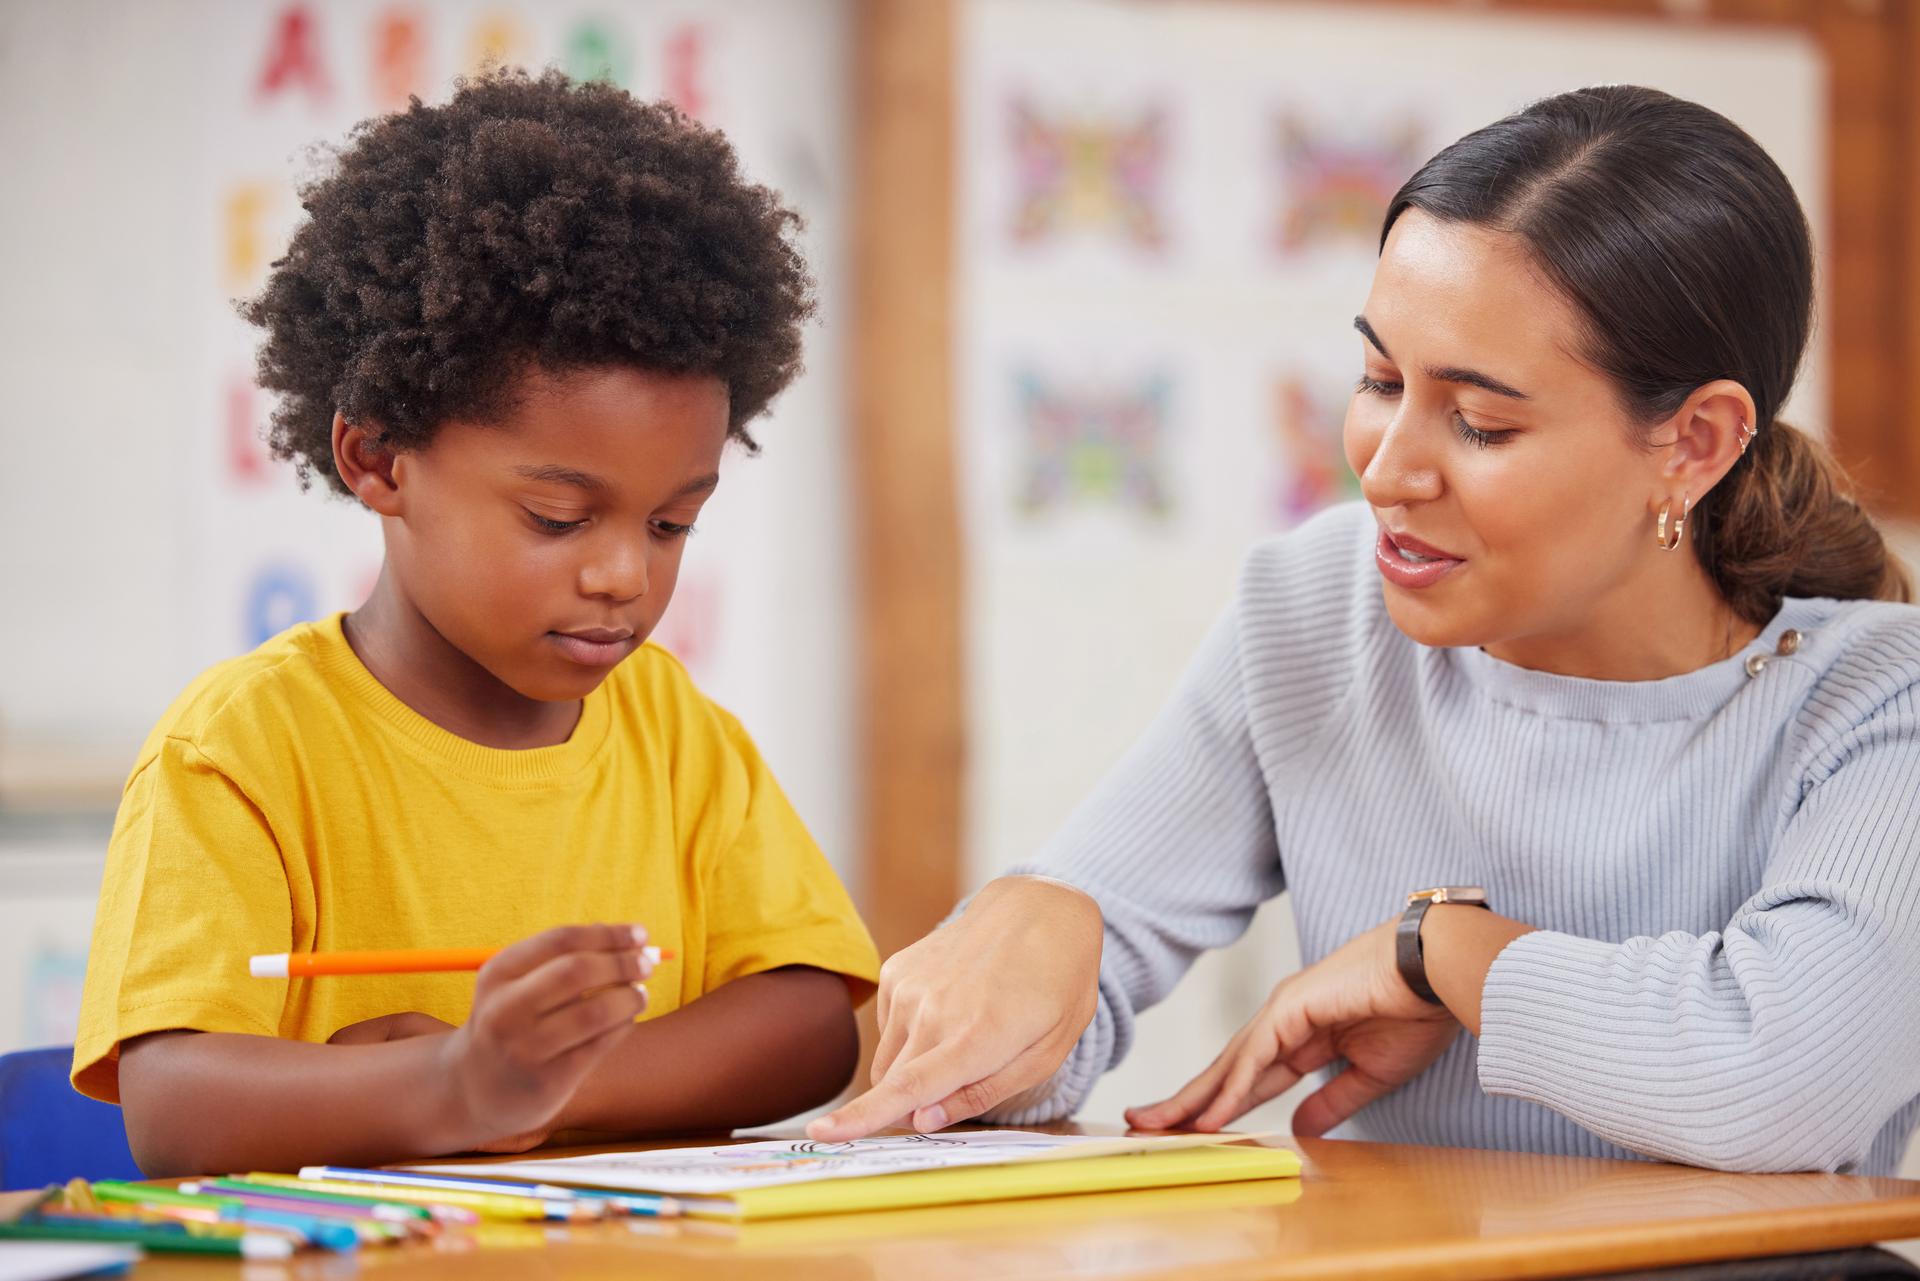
371,1227
437,1214
159,1239
488,1205
405,1212
627,1202
433,960
330,1234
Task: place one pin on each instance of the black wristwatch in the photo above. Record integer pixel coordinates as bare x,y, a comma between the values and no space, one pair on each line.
1407,949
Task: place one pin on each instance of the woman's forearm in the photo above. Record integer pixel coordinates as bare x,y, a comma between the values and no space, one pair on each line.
1460,943
755,1050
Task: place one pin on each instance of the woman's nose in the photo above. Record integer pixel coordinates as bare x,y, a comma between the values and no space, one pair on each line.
1403,468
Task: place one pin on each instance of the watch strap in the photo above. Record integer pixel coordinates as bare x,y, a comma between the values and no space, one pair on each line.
1408,953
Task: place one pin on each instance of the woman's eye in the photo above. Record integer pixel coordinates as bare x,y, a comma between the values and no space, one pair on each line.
1377,387
1476,437
554,526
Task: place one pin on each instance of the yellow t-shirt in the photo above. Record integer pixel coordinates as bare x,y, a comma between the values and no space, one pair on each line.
288,802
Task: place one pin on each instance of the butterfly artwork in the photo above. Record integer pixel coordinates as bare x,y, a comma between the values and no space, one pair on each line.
1080,175
1101,446
1335,186
1314,471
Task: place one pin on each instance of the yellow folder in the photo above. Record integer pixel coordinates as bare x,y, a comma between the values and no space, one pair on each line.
1182,1167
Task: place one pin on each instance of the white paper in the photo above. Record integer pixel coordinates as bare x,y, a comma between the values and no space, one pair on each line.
52,1260
738,1167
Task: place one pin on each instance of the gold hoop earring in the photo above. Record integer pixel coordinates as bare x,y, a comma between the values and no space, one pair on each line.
1746,435
1660,526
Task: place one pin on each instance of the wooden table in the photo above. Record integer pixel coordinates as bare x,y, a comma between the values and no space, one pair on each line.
1360,1210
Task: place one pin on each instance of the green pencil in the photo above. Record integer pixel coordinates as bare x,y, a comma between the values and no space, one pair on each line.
254,1245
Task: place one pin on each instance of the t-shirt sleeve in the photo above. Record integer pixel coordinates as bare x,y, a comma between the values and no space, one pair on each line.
194,885
772,899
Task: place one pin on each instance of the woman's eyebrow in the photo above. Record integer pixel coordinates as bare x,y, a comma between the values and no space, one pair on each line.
1447,373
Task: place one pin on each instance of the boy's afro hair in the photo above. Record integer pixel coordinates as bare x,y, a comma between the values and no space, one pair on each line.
527,220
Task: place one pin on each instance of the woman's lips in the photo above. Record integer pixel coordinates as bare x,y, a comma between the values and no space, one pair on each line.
595,646
1402,572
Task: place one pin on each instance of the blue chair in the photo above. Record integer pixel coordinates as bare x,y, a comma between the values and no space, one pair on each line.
48,1132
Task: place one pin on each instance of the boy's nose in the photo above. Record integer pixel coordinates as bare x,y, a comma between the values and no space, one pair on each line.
620,574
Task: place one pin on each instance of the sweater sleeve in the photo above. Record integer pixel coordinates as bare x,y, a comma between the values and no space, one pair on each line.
1176,845
1784,1041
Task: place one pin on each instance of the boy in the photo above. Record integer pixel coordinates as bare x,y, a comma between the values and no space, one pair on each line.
520,328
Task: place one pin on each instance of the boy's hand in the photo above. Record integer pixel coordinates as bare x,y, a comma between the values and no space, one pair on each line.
544,1011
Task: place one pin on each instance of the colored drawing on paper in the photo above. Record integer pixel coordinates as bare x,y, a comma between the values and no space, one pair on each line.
52,1006
246,453
399,57
292,59
1089,175
598,50
278,597
690,629
1314,471
497,40
1100,447
780,1162
686,60
1334,187
245,252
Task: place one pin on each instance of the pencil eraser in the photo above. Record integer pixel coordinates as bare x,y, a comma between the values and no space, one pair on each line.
273,966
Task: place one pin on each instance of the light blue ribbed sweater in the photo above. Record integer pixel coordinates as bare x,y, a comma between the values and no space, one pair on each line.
1723,867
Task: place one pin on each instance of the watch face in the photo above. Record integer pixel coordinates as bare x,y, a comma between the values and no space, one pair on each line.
1473,895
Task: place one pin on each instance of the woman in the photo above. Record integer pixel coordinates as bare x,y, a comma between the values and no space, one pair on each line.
1605,639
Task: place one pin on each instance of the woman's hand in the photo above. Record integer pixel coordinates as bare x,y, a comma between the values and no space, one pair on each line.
986,1006
1354,1006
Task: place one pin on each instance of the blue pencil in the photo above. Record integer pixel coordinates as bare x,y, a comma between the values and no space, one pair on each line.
629,1202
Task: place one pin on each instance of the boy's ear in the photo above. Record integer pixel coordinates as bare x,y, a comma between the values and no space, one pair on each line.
364,465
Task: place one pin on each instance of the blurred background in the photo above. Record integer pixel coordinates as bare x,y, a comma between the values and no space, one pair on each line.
1087,272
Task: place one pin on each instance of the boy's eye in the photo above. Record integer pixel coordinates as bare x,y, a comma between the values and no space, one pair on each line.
671,529
554,526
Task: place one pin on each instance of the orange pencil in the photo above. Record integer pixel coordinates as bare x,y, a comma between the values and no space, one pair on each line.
424,960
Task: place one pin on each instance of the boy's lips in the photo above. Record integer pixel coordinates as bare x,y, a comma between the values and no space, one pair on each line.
595,646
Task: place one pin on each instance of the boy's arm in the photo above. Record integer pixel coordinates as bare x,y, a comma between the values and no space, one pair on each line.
223,1102
757,1049
546,1011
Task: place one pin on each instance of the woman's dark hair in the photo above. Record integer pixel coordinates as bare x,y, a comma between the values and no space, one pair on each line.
1683,247
525,220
